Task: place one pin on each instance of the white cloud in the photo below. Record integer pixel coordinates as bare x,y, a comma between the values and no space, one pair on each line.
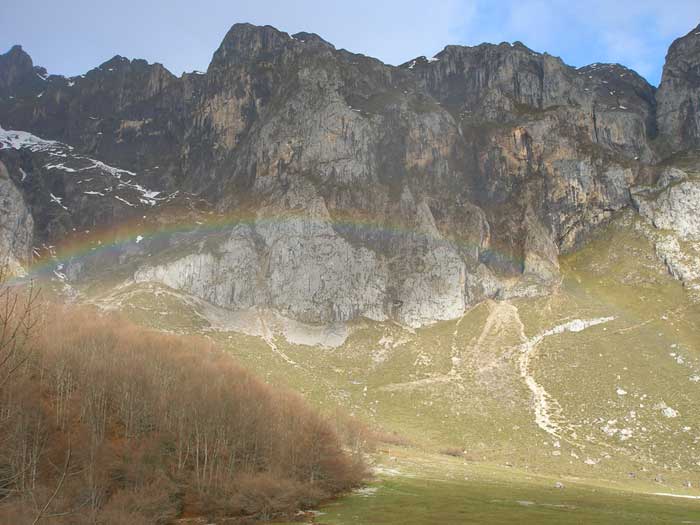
635,33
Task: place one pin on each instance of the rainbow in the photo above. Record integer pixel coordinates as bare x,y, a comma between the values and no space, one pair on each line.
175,219
114,239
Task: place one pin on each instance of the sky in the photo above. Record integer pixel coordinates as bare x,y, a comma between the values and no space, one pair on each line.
70,37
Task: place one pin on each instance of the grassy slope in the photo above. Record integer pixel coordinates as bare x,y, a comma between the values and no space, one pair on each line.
457,384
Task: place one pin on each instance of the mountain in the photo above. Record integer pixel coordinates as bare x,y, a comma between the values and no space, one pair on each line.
490,254
342,187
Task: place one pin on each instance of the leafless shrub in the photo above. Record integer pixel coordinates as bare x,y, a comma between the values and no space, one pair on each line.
155,427
455,452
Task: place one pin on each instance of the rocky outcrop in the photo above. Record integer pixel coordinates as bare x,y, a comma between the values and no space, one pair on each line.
16,225
675,209
295,261
682,261
605,104
679,93
671,208
18,74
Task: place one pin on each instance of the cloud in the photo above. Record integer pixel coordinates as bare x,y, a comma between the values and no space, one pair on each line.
635,33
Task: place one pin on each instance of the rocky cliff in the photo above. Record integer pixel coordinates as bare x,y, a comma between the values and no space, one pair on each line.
679,94
670,209
16,226
341,187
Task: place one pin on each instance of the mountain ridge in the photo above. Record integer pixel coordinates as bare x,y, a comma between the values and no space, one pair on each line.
491,160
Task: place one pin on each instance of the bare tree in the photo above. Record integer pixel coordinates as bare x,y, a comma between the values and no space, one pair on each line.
42,512
18,320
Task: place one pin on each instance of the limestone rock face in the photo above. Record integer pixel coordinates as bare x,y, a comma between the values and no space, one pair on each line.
348,188
16,225
608,103
294,261
671,207
676,209
679,93
683,262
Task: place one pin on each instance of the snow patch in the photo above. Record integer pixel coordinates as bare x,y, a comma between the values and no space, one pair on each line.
11,139
58,200
669,495
124,201
669,412
366,492
386,471
60,166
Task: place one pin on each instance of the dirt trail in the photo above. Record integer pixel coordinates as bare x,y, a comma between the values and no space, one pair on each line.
548,413
269,339
500,316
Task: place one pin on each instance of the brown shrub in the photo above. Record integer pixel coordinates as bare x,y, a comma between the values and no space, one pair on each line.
153,424
452,451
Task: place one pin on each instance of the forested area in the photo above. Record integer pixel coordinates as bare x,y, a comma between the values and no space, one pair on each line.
102,421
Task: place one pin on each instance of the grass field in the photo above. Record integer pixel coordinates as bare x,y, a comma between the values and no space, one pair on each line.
419,488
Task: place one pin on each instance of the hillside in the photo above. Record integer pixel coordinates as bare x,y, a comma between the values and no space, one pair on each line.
106,422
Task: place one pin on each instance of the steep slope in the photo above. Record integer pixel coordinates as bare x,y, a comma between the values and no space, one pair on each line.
16,227
670,208
328,186
596,381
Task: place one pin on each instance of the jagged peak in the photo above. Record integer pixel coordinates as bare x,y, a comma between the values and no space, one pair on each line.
418,62
487,46
245,42
17,55
17,71
16,50
687,43
605,68
457,49
306,38
116,60
120,63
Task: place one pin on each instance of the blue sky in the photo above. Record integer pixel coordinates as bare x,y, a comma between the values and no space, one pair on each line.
72,36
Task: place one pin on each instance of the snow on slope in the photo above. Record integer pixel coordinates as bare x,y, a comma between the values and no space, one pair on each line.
13,139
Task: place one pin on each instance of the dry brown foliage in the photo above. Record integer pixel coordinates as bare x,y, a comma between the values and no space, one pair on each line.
106,422
455,452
